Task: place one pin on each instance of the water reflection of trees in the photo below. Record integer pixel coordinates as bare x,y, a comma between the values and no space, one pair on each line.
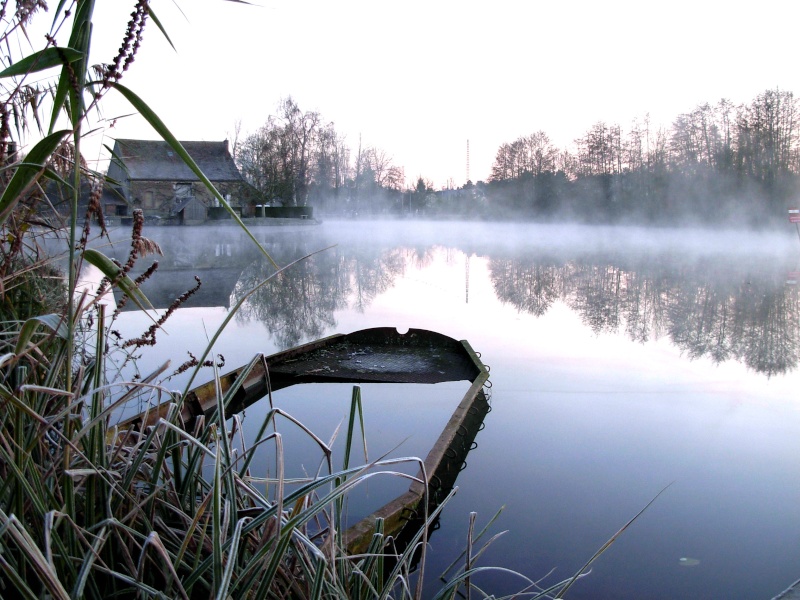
530,287
723,309
299,304
720,314
768,342
706,308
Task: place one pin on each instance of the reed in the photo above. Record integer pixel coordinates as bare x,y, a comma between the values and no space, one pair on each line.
92,510
89,510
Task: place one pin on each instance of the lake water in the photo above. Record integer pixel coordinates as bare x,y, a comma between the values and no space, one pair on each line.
622,361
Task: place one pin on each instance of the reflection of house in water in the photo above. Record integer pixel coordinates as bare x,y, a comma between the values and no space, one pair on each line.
151,176
164,287
216,255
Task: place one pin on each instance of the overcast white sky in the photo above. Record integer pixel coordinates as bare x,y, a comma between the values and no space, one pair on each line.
419,78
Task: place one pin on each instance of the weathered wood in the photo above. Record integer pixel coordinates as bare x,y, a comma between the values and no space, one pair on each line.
380,355
442,466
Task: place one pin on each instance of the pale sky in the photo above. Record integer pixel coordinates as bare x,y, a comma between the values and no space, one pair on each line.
420,78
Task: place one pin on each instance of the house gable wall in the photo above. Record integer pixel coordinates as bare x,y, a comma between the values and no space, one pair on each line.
158,197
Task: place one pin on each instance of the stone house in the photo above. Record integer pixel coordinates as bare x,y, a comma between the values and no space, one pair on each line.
151,176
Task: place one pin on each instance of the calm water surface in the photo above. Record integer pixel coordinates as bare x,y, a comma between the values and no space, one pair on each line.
622,361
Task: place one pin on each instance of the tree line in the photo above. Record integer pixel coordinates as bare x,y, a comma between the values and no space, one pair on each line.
718,163
297,158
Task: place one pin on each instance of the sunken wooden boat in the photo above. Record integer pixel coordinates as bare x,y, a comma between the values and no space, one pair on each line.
379,355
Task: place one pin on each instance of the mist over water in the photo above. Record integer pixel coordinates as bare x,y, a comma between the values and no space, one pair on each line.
622,360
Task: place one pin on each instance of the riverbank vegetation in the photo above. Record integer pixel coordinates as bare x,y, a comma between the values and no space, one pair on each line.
90,509
716,164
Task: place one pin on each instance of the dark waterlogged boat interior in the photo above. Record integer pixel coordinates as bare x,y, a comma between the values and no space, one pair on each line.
377,355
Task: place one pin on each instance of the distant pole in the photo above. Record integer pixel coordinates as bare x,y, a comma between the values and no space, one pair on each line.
467,160
466,278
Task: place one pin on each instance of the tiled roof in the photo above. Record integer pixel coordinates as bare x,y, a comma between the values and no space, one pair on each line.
148,160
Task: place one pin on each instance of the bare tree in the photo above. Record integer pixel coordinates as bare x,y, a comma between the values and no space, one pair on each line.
540,154
600,150
386,174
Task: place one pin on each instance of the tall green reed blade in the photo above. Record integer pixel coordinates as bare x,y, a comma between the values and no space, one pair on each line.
355,409
216,521
191,477
368,576
608,543
318,581
224,588
28,172
157,124
96,492
22,460
16,531
72,81
469,558
223,459
69,97
339,506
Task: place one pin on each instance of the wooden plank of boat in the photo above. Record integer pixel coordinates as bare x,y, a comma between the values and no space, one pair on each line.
444,462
